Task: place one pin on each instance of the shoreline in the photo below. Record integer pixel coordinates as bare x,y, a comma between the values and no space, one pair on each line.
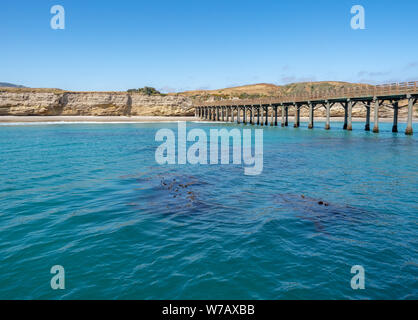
139,119
93,119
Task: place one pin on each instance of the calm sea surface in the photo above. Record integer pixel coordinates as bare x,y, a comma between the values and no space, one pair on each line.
92,198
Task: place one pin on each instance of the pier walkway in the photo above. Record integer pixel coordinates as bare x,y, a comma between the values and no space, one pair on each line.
257,111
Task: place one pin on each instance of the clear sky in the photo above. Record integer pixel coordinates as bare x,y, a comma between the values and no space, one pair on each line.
202,44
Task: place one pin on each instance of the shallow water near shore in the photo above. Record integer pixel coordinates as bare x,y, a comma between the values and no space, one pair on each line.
92,198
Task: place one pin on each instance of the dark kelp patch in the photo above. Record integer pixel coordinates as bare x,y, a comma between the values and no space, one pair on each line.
168,193
320,212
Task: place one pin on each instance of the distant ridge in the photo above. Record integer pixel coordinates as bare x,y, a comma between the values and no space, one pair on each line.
10,85
264,90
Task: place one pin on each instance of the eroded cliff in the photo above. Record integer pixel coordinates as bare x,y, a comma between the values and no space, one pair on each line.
50,102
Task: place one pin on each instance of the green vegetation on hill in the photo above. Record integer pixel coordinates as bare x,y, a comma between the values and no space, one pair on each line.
149,91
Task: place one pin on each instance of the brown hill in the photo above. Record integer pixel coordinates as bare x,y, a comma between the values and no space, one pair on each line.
262,90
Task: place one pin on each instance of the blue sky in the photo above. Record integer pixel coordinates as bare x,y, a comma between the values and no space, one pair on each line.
200,44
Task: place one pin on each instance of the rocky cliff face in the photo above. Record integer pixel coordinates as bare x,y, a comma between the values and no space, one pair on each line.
52,102
55,102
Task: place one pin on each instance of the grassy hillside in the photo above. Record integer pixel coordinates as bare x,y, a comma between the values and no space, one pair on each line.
263,90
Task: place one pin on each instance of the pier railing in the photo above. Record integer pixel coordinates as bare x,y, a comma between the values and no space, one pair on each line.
360,91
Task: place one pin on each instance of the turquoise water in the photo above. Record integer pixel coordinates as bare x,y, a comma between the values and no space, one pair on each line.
90,197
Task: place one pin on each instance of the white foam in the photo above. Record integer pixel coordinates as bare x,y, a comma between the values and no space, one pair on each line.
30,123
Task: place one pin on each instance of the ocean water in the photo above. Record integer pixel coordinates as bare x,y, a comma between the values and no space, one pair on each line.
92,198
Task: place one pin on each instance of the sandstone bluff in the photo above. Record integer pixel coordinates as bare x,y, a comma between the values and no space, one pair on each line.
49,102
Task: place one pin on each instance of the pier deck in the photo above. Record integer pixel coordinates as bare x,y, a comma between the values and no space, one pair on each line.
257,110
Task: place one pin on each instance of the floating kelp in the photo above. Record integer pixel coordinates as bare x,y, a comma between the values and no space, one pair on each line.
177,189
320,212
167,192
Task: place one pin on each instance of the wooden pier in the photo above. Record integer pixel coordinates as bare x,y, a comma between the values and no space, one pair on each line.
256,111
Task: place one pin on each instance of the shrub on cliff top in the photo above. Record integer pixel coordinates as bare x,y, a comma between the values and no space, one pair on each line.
149,91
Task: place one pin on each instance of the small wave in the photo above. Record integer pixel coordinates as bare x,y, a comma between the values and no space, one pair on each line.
30,123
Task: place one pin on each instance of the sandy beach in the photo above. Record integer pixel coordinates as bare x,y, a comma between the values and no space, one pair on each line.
23,119
5,119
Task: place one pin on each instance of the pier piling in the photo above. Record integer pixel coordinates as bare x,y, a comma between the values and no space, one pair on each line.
267,116
244,110
349,117
295,121
311,116
258,115
367,126
376,116
286,120
328,111
395,116
282,124
297,116
409,130
275,116
345,115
